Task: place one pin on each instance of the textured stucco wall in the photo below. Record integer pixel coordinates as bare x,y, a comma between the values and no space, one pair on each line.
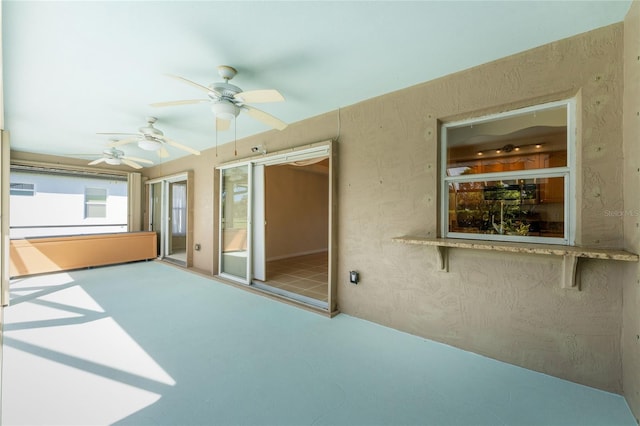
631,141
509,307
506,306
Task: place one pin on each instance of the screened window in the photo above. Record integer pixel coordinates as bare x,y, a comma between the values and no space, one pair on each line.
67,201
509,176
95,202
22,189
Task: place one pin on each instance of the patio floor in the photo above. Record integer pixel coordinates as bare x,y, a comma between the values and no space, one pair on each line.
148,343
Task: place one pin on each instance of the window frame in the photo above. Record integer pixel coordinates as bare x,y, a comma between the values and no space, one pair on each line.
568,172
88,203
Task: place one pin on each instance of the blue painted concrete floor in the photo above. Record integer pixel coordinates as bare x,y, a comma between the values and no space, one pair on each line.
147,343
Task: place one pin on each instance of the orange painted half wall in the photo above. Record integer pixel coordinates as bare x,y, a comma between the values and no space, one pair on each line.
51,254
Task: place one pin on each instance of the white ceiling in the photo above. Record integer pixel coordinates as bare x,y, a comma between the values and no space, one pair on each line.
72,69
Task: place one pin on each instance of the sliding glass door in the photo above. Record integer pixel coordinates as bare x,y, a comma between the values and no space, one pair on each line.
235,209
276,216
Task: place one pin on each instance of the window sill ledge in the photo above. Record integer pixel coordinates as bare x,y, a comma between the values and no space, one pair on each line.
570,254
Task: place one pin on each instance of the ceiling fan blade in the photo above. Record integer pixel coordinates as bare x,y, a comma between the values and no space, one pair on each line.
98,161
136,159
194,84
258,96
267,119
131,163
176,103
123,141
222,124
162,152
180,146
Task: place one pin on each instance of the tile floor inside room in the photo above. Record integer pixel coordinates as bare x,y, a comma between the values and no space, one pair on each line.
305,275
148,343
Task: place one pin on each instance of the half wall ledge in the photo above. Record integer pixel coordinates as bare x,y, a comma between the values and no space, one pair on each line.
41,255
570,254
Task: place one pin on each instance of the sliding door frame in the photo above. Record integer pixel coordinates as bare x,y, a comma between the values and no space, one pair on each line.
326,149
165,215
248,275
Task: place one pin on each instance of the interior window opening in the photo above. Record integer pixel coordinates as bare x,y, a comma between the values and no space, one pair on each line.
509,176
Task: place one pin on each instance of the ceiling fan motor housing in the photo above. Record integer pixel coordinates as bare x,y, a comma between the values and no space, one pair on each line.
223,91
150,136
150,130
112,156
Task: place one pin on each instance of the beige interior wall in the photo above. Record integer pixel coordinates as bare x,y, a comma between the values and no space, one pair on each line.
631,140
506,306
135,196
296,211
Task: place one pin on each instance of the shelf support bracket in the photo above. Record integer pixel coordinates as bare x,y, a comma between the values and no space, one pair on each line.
570,272
443,258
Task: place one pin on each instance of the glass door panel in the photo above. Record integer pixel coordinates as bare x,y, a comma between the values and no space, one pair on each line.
234,223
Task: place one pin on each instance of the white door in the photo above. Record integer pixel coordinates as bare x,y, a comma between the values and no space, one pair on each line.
259,224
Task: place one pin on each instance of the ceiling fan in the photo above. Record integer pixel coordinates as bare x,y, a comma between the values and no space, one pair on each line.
227,100
151,139
115,157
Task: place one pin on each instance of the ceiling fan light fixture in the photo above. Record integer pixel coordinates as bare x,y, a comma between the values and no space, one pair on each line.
113,161
225,110
149,144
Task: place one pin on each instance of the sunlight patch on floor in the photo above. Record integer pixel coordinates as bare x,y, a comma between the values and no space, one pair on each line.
26,286
71,396
55,328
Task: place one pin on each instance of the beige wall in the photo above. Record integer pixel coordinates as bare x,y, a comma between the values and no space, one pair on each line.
296,210
631,142
506,306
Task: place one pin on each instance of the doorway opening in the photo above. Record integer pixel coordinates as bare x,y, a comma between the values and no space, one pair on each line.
297,228
168,217
276,216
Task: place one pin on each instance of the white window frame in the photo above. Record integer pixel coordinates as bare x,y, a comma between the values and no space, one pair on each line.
88,203
568,172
